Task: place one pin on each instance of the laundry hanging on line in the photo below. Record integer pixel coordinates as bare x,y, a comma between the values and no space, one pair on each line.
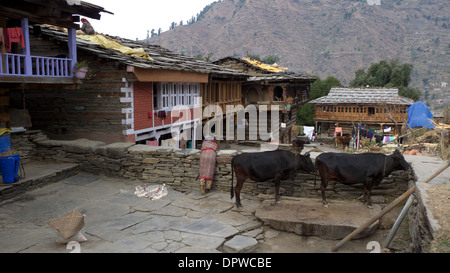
13,35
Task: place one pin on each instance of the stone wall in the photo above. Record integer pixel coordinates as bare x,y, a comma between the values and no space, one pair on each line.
24,143
180,169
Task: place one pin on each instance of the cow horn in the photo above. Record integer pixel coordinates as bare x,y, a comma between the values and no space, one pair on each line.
308,153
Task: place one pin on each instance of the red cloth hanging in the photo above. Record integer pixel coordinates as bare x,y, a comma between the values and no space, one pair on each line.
13,35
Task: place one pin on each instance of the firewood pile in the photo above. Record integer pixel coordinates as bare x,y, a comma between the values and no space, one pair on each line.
435,142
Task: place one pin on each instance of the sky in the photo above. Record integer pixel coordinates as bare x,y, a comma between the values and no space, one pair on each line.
132,18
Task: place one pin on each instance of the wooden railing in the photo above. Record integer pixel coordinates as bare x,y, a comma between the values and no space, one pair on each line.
16,65
366,113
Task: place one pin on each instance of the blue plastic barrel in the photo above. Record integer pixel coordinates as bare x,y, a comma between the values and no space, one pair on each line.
5,143
9,167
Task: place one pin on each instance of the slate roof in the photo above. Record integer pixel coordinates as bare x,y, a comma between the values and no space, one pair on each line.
271,75
162,58
363,96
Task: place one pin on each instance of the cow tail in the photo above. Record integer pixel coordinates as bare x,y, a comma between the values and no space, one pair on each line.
232,177
315,175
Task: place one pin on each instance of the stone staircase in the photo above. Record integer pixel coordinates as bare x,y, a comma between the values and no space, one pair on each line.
36,174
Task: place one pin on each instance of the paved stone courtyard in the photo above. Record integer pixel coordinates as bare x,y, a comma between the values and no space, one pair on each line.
118,221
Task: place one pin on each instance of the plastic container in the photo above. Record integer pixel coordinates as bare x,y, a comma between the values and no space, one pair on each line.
9,167
5,143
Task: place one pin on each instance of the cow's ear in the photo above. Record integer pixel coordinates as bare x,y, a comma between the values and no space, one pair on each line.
307,154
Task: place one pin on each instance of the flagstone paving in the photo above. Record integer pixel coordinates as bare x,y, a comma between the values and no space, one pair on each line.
116,220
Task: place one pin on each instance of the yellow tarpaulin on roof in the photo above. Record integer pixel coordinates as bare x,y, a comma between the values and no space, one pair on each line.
111,44
268,67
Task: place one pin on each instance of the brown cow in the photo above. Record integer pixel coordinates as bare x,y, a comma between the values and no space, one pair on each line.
344,140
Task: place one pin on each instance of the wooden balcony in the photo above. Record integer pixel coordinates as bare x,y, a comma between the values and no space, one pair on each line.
26,68
365,114
17,65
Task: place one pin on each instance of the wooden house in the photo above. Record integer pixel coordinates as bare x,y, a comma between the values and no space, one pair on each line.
346,108
20,63
125,97
273,85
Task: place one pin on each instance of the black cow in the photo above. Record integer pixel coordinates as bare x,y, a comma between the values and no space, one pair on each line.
263,166
298,144
366,168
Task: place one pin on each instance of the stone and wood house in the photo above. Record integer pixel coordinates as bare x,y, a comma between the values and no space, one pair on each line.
273,85
346,108
124,98
21,63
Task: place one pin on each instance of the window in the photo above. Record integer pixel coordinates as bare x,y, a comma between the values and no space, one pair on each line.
278,94
165,96
168,95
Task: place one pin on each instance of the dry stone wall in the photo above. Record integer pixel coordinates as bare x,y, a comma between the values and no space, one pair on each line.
180,169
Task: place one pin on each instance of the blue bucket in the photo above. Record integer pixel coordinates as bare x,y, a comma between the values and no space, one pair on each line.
5,143
9,167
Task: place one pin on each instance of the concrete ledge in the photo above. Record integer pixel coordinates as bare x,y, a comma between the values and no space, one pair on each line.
425,226
146,149
115,150
306,216
82,145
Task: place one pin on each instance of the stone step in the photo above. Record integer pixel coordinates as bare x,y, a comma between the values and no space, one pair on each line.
36,174
306,216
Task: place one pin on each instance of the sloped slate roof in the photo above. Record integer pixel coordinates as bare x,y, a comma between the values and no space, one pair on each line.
266,72
281,77
363,96
162,58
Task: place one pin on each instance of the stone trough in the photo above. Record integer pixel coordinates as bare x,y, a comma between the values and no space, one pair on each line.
308,217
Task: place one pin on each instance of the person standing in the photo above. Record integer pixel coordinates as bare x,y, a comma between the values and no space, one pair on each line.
207,164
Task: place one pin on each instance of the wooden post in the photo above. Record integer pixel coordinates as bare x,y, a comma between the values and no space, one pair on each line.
385,210
437,173
72,43
26,38
374,218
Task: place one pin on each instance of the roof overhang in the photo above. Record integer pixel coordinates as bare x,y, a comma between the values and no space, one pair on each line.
56,12
159,75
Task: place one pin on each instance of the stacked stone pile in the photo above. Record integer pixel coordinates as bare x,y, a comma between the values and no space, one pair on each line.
24,143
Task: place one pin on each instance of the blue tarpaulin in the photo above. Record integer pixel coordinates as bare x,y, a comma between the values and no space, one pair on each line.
419,115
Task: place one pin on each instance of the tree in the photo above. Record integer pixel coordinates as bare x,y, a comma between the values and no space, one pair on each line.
206,58
173,25
270,59
305,115
254,57
388,74
320,88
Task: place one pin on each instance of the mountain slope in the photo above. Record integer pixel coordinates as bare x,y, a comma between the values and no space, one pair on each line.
324,37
